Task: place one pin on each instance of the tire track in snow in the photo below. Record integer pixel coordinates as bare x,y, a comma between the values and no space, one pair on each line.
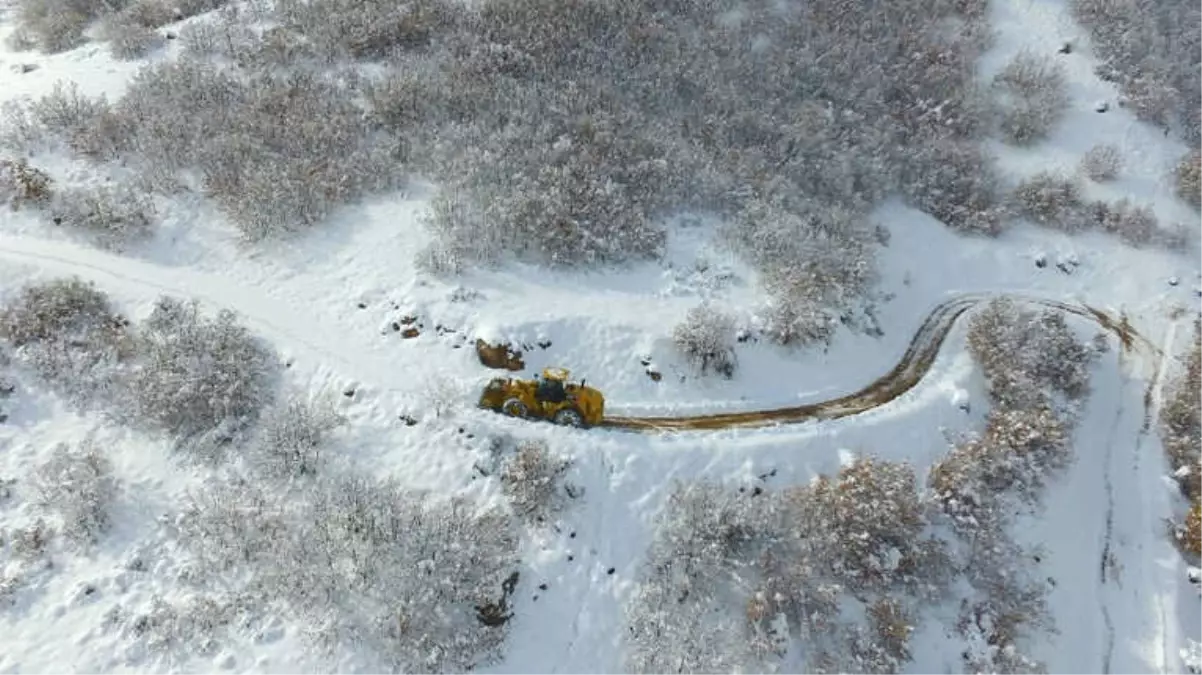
1152,402
1108,527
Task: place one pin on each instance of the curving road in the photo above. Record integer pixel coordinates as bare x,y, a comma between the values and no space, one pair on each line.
908,372
272,318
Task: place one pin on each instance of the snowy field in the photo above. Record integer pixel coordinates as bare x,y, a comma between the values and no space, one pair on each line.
329,302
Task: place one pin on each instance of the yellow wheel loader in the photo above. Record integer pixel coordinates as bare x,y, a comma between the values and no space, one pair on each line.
550,397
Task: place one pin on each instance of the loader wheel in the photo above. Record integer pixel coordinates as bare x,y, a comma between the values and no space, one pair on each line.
515,408
568,418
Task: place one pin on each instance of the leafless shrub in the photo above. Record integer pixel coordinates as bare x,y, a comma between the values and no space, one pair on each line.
1134,224
420,583
115,216
129,39
277,152
1010,609
1102,163
1181,422
77,485
150,13
192,626
86,125
1190,533
1151,51
1026,356
1051,201
533,480
706,338
231,39
292,435
1016,455
58,25
957,183
356,29
199,378
69,333
1189,178
817,260
1032,94
858,539
22,184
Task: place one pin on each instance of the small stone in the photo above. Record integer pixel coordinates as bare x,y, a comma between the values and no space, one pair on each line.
655,375
571,558
1041,261
757,491
1173,281
410,333
572,535
542,587
349,392
396,327
362,305
610,570
1102,107
170,35
1066,48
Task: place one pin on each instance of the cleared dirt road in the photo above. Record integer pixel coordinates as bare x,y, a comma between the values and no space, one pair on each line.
908,372
274,319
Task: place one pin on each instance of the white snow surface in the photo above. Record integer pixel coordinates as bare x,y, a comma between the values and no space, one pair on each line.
303,295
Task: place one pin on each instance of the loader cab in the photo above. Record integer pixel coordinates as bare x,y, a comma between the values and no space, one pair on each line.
551,386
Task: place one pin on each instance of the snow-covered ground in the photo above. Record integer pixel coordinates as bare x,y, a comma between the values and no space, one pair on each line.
327,302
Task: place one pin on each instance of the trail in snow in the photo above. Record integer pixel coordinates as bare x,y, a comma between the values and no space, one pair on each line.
909,371
1105,560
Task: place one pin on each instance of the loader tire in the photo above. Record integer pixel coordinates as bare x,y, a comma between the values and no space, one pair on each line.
569,418
515,408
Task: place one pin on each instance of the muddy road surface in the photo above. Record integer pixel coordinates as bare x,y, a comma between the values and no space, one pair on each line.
903,377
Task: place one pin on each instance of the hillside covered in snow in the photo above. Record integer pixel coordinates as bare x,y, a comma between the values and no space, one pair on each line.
894,306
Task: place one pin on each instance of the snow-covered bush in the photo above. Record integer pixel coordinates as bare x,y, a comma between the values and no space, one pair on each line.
578,126
362,30
176,629
816,260
682,616
1189,178
58,25
278,152
419,583
1135,224
70,334
957,183
1027,356
21,183
734,577
533,481
87,126
113,215
1052,201
1181,422
128,38
707,339
1191,530
1033,97
292,436
198,376
1102,162
76,484
1015,456
1151,51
